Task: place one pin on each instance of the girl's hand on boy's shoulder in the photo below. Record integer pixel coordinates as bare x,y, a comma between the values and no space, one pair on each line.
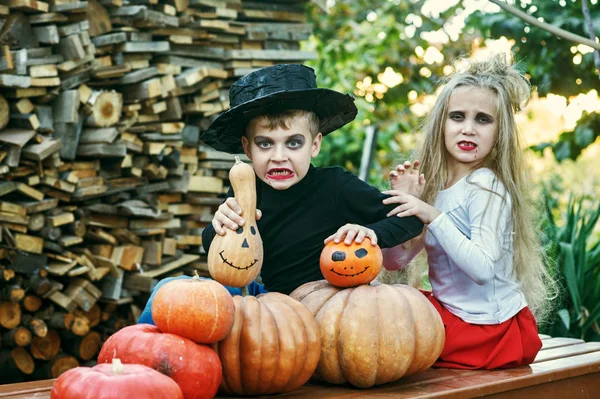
406,177
229,216
410,206
352,232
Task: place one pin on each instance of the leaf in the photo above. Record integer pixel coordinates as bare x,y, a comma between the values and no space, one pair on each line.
570,275
564,317
584,136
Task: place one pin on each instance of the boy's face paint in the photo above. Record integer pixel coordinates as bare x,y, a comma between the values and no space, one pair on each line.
471,126
281,157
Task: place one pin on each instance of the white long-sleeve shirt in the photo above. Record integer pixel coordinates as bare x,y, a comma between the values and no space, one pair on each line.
470,251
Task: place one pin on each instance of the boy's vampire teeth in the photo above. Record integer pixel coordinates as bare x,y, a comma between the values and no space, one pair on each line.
279,172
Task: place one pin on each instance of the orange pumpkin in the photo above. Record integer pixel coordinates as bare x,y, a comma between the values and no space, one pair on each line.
273,347
372,335
235,259
351,265
198,309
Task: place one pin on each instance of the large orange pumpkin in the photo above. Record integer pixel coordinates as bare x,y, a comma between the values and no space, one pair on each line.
273,347
350,265
197,309
372,335
235,259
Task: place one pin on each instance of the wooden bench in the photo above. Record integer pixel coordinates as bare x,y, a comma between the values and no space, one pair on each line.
564,368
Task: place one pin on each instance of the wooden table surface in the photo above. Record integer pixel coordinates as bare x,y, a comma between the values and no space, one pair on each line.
564,368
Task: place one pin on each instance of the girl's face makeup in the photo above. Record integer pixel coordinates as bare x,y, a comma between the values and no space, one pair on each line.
281,157
471,127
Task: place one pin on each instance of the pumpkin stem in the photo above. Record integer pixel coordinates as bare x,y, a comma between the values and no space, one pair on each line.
117,366
245,291
237,160
196,276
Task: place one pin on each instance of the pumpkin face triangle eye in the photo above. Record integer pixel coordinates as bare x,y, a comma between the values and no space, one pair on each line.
361,253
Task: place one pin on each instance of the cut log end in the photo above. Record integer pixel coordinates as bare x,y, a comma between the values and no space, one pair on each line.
23,360
106,111
61,364
46,348
10,315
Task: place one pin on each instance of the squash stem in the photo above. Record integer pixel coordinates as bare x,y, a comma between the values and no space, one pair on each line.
196,277
117,366
237,160
245,291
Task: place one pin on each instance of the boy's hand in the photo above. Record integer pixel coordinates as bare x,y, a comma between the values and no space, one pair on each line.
410,206
406,177
352,232
228,215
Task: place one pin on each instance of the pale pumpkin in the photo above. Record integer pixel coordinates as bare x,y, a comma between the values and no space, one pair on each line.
273,347
372,335
350,265
235,259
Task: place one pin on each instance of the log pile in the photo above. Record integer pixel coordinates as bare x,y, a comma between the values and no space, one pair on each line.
105,185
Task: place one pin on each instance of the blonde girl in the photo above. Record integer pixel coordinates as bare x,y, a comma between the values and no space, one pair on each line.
485,264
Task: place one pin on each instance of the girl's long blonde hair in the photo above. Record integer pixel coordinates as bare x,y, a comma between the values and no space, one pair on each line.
498,74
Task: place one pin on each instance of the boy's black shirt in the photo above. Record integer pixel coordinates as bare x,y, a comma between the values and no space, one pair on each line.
296,221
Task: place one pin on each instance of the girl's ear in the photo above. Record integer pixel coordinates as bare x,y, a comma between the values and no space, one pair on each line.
246,145
316,145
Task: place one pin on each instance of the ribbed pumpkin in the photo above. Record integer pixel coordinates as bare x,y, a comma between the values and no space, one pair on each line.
350,265
273,347
114,381
194,367
372,335
197,309
235,259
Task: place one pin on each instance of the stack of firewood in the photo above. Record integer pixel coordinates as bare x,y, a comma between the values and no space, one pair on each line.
105,185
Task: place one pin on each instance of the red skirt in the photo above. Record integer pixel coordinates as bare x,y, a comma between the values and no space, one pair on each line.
481,346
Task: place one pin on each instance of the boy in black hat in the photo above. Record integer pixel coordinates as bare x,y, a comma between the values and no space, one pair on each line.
278,117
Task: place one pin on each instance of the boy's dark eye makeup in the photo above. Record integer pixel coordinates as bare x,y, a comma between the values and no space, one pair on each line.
294,141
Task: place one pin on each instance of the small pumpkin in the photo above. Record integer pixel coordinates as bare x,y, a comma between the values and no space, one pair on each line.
235,259
197,309
273,347
194,367
114,381
351,265
372,335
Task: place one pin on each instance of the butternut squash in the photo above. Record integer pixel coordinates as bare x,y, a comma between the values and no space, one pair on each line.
235,259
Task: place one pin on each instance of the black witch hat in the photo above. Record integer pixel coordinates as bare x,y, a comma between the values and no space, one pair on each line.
272,90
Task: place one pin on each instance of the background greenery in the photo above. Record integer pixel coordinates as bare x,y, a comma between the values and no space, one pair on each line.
392,56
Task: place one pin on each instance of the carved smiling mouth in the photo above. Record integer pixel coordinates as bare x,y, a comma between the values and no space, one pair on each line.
349,275
234,266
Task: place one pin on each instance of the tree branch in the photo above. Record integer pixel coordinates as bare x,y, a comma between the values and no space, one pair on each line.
547,27
588,19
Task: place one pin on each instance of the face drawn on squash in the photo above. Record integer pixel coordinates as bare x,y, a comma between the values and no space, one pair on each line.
340,256
244,244
350,265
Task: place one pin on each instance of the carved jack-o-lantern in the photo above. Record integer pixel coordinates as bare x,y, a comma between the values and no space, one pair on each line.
351,265
235,259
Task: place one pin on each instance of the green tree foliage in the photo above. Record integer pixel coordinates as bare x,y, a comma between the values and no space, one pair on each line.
360,38
549,60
